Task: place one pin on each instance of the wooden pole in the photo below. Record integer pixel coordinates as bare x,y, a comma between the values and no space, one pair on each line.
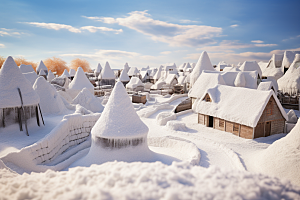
23,111
41,114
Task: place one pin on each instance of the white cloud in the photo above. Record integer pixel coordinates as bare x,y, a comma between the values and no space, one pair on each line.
234,25
257,41
265,45
54,26
187,21
2,46
9,32
94,29
165,52
173,34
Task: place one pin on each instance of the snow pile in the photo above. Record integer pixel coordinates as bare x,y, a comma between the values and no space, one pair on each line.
202,64
134,83
79,82
251,66
271,70
98,70
65,73
26,68
267,85
282,158
133,71
40,67
65,95
72,72
163,117
119,180
148,85
11,78
31,76
124,76
158,85
150,110
290,81
106,72
292,117
50,76
86,99
50,101
240,80
288,58
176,126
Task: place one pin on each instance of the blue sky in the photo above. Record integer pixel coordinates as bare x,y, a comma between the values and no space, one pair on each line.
150,33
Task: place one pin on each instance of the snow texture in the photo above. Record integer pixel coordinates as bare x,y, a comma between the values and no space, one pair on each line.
66,73
31,76
133,71
134,83
124,76
222,105
86,99
26,68
163,117
120,180
80,81
290,81
251,66
176,126
119,119
11,78
106,72
150,110
50,101
202,64
282,158
50,76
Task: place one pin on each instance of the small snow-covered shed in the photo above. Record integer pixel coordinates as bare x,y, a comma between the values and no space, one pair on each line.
202,64
18,100
50,76
87,100
40,67
107,76
124,78
244,112
79,82
135,84
251,66
26,68
98,70
133,72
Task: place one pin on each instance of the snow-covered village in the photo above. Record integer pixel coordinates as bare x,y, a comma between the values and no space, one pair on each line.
154,100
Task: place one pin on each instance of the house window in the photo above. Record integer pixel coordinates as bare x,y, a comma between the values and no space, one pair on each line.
235,127
269,108
221,123
207,98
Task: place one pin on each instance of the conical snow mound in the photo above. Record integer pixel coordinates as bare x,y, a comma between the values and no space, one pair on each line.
87,100
50,101
50,76
124,76
99,68
41,66
202,64
66,73
126,67
119,119
80,81
11,78
107,73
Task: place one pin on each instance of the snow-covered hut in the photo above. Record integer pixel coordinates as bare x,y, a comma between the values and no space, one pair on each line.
133,72
40,67
50,76
79,82
202,64
98,70
234,110
288,58
72,73
26,68
119,134
124,78
66,73
107,76
87,100
16,93
171,80
187,68
31,77
251,66
290,81
135,84
181,67
50,101
221,65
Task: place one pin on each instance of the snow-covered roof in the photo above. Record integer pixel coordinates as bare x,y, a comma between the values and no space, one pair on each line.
181,80
157,75
134,82
50,76
170,78
26,68
50,101
41,66
268,85
31,77
106,72
119,119
273,68
80,81
182,66
292,117
251,66
221,65
72,72
133,71
288,58
202,64
11,78
99,68
126,67
187,67
144,73
124,76
290,81
87,100
236,104
65,73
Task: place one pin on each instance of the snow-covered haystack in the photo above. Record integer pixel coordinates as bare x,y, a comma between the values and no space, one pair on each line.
86,99
26,68
98,70
282,158
290,81
79,82
119,134
124,78
107,76
31,76
133,71
202,64
50,76
50,100
251,66
65,73
40,67
135,84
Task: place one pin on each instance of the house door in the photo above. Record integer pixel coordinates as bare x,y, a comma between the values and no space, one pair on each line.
211,121
267,129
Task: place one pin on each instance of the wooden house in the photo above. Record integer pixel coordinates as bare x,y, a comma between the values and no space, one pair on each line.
244,112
